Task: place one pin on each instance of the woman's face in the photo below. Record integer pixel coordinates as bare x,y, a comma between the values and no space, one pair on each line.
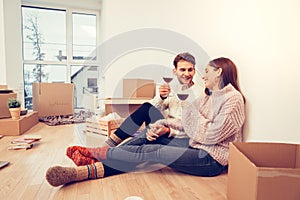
212,77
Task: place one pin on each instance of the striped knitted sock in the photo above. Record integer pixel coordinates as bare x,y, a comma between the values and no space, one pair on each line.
58,175
113,140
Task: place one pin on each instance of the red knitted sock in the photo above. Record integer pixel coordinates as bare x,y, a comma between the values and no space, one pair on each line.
98,153
82,150
81,160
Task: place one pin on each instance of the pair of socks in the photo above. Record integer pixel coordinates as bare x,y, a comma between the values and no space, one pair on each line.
87,160
85,156
59,175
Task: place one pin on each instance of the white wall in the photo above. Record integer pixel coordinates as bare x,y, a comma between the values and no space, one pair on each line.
2,47
261,37
13,46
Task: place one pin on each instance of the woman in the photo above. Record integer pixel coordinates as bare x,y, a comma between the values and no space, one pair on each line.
214,120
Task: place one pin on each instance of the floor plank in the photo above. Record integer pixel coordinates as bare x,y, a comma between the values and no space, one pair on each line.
24,178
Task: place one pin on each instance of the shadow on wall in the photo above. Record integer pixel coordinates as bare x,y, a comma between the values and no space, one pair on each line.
246,127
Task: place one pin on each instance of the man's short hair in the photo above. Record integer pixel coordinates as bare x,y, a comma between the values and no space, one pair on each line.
184,56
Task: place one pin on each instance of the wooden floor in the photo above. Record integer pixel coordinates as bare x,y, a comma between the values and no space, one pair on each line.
24,178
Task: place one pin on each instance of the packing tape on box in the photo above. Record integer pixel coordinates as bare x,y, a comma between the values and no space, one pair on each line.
271,174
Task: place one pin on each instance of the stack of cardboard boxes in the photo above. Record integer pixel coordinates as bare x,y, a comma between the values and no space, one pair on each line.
49,99
135,93
8,126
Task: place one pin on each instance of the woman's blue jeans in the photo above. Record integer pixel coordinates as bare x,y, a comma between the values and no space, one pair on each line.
169,151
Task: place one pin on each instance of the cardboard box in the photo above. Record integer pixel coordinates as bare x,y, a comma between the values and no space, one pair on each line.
3,87
123,106
4,111
138,88
53,99
262,171
20,126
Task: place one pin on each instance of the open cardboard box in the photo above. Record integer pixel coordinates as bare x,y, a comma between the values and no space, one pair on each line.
263,171
9,126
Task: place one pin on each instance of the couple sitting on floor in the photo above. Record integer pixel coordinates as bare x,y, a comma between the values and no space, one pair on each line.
192,138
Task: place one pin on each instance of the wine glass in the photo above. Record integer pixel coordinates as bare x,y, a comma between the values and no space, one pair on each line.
182,92
168,76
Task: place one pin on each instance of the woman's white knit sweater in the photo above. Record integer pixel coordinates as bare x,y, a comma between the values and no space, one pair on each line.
213,121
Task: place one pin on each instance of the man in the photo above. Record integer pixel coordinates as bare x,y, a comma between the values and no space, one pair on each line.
162,106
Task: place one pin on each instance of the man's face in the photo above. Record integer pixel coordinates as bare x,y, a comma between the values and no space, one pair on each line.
185,72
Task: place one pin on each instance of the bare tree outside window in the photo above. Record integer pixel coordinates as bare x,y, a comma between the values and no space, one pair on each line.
36,38
45,49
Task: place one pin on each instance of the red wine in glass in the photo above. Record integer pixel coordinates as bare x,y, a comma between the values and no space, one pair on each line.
182,97
167,79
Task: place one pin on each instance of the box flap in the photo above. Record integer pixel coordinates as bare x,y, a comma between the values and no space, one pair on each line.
275,183
241,176
298,157
278,172
270,154
4,110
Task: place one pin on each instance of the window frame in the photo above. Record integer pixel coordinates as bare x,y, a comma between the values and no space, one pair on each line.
69,37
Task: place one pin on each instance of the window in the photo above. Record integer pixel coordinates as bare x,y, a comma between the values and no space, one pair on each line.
56,45
43,39
84,36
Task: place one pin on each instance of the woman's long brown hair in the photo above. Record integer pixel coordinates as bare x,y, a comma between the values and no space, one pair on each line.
229,73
